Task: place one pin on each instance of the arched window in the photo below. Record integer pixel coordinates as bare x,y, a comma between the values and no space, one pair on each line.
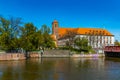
55,25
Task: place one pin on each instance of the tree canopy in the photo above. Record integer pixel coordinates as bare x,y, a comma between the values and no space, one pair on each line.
117,43
14,35
82,44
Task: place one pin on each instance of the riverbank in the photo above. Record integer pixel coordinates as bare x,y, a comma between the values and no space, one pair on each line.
47,54
74,56
12,56
62,53
87,55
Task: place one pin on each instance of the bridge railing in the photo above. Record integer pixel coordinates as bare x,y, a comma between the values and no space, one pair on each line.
112,49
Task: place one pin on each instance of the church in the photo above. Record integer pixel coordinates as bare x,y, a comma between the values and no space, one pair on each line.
97,37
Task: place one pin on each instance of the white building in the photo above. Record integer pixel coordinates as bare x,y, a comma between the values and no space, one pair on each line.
97,38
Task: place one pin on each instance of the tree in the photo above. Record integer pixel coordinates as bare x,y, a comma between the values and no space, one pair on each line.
48,41
15,25
4,33
117,43
82,44
28,40
33,39
69,36
9,30
39,39
14,36
45,29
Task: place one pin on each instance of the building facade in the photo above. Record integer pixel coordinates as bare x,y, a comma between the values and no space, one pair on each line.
97,37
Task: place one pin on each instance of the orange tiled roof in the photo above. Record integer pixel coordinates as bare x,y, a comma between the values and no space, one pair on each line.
62,31
85,31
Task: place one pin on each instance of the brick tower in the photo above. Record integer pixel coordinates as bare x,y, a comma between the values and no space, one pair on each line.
55,27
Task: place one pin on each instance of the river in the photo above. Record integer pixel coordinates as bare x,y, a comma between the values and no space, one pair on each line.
61,69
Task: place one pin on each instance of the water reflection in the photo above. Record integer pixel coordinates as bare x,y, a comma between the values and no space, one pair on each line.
61,69
89,62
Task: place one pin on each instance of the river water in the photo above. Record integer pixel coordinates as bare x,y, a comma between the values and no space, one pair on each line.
61,69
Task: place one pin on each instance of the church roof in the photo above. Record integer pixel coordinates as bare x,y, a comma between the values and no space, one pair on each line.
85,31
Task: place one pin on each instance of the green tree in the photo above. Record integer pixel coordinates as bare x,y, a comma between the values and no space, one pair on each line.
4,33
9,30
70,37
117,43
38,39
82,44
13,35
28,33
15,25
48,41
45,29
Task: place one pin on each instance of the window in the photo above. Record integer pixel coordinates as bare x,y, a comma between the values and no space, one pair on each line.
55,25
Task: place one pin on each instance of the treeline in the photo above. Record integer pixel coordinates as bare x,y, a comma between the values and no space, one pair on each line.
16,35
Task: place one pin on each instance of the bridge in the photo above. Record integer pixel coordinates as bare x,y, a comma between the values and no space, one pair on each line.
112,51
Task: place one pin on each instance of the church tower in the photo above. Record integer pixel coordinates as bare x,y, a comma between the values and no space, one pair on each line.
55,27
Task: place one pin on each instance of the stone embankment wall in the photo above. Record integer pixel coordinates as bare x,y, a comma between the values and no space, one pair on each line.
50,53
88,55
12,56
62,53
33,55
47,53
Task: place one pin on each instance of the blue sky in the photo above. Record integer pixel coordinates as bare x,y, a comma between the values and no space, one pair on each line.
69,13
